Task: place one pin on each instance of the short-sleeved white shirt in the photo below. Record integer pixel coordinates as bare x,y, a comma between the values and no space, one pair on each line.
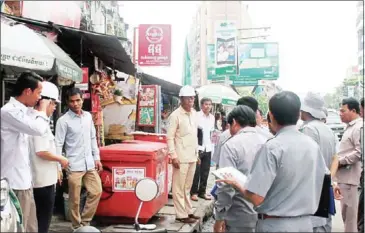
45,172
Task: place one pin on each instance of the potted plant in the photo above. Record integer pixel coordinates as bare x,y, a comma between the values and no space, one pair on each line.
118,95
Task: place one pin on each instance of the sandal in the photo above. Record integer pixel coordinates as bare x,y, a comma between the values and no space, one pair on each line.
194,197
206,197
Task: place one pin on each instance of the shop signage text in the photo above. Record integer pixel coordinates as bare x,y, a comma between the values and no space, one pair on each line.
154,45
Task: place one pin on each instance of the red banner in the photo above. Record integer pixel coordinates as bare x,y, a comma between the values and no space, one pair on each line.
154,45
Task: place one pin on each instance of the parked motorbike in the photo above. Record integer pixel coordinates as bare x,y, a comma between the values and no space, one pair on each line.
146,190
11,213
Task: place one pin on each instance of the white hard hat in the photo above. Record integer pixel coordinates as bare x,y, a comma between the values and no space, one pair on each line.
50,90
187,91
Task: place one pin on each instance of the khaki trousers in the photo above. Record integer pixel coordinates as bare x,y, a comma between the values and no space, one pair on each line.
349,205
92,183
182,180
27,203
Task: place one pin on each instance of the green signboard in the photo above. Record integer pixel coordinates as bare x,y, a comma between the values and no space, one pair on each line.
211,70
244,82
259,60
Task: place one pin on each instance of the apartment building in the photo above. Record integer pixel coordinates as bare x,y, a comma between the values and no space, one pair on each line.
202,33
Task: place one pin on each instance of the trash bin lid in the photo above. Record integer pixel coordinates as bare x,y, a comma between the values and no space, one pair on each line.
134,147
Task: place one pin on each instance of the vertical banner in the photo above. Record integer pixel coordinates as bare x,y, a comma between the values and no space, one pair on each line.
211,65
154,45
147,103
225,47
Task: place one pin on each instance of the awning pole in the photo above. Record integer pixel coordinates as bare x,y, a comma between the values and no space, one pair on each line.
81,51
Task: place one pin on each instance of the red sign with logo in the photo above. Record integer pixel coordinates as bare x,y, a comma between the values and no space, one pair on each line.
154,45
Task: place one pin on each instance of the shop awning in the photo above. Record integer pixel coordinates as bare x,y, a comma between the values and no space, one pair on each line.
106,47
166,87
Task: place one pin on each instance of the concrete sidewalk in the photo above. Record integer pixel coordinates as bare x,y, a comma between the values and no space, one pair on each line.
164,219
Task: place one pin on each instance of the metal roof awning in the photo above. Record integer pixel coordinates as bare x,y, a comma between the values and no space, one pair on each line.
166,86
106,47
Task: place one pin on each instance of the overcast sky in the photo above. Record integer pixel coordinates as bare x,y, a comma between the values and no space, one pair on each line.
317,40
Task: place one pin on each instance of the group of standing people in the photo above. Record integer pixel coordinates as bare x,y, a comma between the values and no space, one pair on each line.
286,166
32,158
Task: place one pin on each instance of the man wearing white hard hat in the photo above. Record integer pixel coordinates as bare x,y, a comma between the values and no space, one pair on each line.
45,163
312,114
182,143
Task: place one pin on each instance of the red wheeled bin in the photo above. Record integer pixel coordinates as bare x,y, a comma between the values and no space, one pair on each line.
124,164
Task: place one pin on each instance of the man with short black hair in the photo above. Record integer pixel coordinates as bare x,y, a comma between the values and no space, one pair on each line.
232,212
75,131
287,175
254,105
349,172
205,129
18,122
360,211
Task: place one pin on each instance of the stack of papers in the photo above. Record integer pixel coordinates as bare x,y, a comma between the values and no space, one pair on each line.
233,172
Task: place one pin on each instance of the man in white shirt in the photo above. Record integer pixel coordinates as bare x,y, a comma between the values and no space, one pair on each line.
45,164
16,125
205,128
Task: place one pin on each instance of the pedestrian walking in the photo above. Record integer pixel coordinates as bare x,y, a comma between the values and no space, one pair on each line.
287,174
312,115
205,130
76,132
349,155
45,163
232,212
17,123
182,144
360,211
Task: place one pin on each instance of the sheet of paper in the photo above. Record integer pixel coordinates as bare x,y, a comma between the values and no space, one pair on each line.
236,174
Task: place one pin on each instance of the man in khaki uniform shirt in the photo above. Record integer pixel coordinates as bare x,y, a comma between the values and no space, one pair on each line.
182,143
348,174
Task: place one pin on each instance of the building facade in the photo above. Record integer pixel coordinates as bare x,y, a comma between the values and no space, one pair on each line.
360,35
103,17
202,33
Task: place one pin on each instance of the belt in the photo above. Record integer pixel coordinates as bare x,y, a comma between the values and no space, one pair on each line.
265,216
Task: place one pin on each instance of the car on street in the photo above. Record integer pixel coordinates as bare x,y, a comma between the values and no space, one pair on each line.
335,123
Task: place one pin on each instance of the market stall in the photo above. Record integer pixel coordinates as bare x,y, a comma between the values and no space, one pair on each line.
117,97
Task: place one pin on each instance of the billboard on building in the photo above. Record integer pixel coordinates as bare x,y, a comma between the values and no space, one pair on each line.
211,75
259,60
225,47
154,45
66,13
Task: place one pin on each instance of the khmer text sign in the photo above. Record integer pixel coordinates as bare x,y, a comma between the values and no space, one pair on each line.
154,45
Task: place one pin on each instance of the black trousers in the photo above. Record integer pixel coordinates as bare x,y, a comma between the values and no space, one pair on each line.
44,200
201,174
